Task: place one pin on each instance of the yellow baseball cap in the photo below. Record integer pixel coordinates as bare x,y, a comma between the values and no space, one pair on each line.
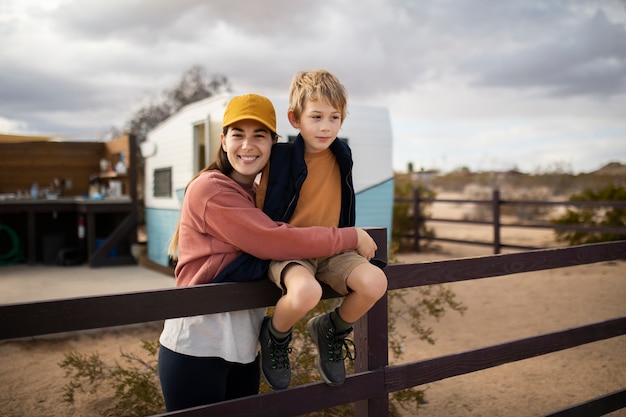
250,106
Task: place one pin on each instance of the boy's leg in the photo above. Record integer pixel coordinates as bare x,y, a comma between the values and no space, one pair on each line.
332,348
364,284
368,284
301,292
275,366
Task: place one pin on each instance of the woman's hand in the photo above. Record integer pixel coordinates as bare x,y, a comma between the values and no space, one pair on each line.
366,247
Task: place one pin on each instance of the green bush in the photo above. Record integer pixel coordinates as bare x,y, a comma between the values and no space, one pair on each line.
593,217
403,216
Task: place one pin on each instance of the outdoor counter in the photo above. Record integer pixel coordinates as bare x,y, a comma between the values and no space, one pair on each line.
109,226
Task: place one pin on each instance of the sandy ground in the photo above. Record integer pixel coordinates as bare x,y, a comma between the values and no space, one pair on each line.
32,381
524,305
499,310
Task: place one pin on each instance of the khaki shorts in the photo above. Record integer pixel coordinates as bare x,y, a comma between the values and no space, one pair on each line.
332,270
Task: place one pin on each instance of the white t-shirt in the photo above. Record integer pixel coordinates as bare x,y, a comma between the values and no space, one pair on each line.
232,336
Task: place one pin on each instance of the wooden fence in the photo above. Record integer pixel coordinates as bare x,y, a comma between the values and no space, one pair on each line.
495,205
374,378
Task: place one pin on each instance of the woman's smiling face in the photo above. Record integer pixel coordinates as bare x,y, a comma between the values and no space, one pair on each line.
247,144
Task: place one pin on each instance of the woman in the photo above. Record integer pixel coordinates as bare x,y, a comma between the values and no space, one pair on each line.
222,236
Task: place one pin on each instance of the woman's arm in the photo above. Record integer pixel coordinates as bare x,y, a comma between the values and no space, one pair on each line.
230,216
252,231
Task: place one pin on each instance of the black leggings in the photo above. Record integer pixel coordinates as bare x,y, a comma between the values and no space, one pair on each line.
189,381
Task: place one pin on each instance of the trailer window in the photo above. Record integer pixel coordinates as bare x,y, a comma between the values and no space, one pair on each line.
162,182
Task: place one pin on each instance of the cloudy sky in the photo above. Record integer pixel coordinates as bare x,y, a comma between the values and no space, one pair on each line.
487,84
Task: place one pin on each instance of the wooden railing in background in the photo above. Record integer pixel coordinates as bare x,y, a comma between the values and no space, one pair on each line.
495,205
374,378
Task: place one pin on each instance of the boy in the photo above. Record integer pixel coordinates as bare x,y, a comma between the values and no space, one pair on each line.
309,183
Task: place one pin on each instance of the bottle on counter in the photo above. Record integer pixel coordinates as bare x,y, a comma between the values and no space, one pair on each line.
120,167
94,187
34,191
105,166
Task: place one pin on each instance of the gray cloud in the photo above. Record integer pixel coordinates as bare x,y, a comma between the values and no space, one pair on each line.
586,59
77,66
147,21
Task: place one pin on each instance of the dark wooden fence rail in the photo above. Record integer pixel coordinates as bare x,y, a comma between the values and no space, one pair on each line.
496,204
374,378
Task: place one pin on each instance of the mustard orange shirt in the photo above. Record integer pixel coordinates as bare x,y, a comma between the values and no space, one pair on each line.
319,203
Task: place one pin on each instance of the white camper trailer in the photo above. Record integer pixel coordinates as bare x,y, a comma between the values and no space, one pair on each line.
187,141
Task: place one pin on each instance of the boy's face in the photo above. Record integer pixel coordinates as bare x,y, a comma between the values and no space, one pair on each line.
319,125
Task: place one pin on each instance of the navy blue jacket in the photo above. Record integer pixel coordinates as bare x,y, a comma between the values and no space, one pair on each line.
287,174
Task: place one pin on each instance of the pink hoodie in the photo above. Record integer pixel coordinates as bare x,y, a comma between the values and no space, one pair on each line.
219,221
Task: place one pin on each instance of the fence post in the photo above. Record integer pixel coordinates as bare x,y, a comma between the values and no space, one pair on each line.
496,220
416,219
372,341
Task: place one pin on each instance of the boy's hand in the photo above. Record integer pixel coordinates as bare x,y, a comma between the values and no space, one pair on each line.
366,247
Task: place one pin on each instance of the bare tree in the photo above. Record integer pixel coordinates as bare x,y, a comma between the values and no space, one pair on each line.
194,85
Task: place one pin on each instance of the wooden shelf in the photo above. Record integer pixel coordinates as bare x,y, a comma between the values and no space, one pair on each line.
112,175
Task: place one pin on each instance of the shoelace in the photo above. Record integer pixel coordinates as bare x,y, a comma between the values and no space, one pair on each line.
339,347
279,355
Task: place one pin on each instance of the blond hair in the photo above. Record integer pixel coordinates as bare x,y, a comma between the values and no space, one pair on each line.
317,85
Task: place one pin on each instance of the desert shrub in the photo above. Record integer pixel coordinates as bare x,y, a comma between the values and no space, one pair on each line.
403,226
484,212
433,301
530,211
477,211
136,386
593,217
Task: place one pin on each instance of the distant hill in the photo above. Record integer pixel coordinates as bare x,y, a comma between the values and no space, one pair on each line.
558,184
612,168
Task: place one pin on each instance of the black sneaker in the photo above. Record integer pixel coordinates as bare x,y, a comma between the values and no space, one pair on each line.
274,358
332,349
